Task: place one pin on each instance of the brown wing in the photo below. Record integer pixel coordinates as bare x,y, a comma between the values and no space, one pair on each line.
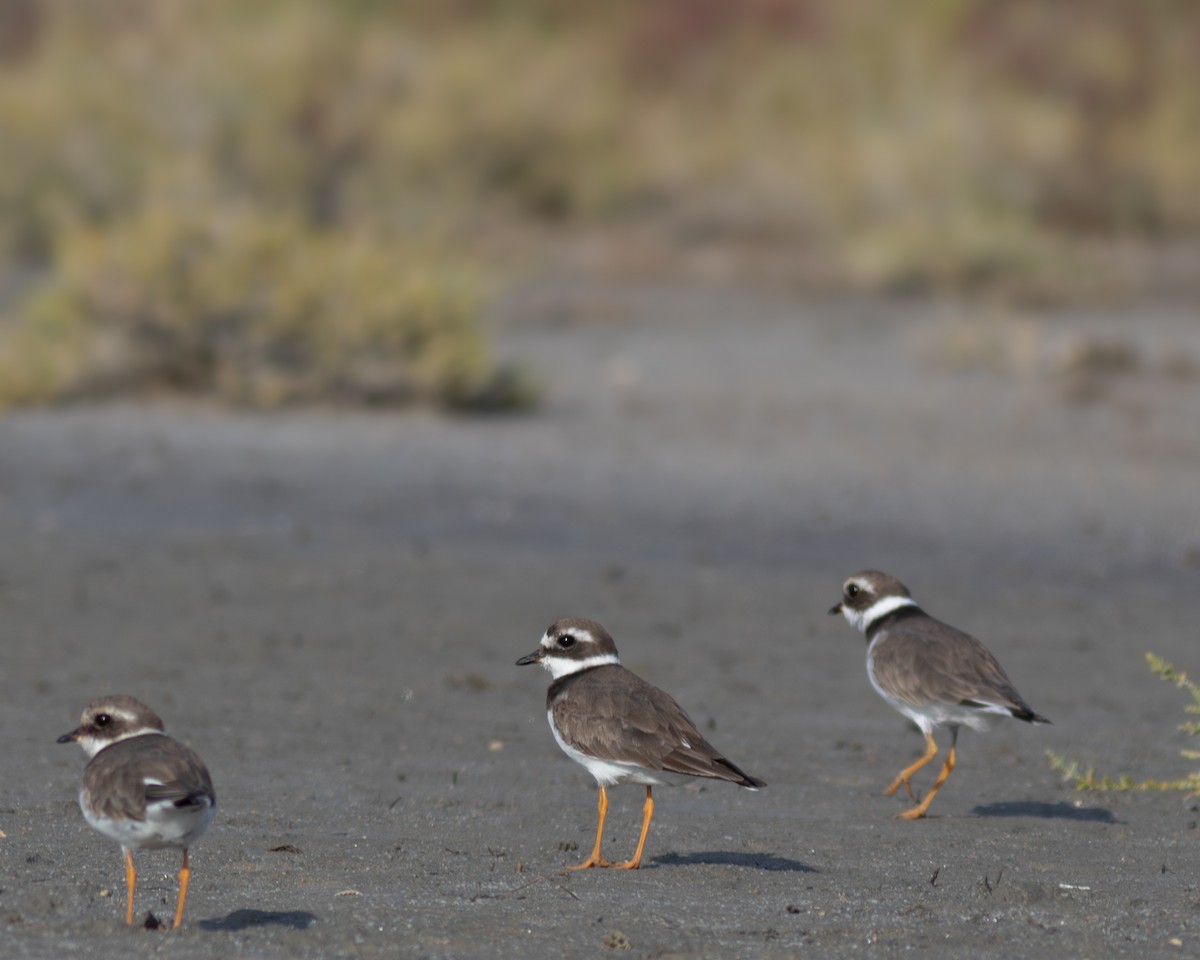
116,777
610,713
923,661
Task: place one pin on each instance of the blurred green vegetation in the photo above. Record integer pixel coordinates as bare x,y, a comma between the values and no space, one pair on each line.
300,195
253,309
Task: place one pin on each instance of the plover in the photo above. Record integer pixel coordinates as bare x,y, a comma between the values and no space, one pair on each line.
618,726
931,672
141,788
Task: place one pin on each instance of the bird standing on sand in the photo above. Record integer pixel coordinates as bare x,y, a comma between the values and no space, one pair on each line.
141,788
931,672
618,726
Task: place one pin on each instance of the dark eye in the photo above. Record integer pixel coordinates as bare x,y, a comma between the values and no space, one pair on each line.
852,590
103,719
566,641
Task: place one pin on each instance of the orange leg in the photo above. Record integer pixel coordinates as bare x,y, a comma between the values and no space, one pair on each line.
919,809
647,816
905,775
185,874
130,886
595,860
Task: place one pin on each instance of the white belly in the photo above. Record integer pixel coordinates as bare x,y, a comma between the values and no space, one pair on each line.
165,826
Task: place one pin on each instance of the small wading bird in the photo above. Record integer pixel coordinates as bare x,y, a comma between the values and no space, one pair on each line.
618,726
931,672
141,788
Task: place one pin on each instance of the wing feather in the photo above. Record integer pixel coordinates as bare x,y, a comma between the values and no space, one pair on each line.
131,774
612,714
927,661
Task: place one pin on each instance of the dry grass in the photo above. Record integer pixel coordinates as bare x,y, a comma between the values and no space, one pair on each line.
1088,779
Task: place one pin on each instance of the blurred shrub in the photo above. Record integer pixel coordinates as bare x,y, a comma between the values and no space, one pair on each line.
255,311
937,143
1076,118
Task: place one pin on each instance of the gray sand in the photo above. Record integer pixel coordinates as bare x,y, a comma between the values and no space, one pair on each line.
328,608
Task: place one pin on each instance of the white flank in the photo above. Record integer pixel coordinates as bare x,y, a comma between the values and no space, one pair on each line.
166,825
606,772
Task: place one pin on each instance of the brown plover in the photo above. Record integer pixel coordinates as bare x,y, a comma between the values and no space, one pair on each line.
141,788
618,726
931,672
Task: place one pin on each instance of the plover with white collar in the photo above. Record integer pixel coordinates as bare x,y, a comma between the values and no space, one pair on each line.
141,788
618,726
929,671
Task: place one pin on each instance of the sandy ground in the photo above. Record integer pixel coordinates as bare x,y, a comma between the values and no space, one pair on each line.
328,607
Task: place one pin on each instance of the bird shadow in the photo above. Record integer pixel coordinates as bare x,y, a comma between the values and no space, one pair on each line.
247,919
755,861
1048,811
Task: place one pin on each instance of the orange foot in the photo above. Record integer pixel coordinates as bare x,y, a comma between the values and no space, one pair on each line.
591,862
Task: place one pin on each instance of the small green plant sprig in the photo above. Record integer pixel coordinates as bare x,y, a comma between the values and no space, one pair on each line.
1089,780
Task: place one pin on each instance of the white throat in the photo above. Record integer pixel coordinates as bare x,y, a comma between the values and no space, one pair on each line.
93,745
562,667
862,619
